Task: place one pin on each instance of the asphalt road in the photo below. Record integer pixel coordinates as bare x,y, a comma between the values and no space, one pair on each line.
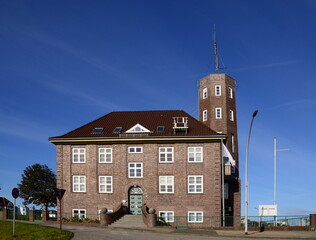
92,233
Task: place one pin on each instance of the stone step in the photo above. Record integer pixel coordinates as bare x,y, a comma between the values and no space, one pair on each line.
129,221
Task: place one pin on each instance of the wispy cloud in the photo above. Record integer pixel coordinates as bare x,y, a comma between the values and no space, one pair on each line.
302,102
290,210
268,65
24,129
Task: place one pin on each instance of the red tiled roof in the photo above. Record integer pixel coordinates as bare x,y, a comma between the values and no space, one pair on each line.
148,119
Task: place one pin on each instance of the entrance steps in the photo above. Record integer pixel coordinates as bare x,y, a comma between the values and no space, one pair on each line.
129,221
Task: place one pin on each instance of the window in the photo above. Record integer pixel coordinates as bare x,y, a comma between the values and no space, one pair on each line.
105,184
78,155
160,128
105,155
195,184
195,217
233,142
231,115
204,93
117,130
166,154
80,213
79,183
166,184
135,170
218,90
97,130
195,154
168,216
138,129
204,115
135,149
218,113
230,92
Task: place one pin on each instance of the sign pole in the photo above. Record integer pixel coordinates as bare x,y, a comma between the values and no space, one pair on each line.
59,193
14,217
15,195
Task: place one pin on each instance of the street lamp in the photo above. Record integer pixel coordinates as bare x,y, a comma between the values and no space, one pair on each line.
275,150
246,174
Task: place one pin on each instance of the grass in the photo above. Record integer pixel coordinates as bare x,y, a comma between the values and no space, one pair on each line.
24,231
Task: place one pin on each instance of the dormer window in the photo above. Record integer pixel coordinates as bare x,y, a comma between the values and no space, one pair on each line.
97,130
117,130
138,129
160,128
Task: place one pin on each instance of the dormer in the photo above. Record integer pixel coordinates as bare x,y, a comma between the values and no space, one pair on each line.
180,124
138,129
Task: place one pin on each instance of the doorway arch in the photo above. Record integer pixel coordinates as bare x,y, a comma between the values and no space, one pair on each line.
135,200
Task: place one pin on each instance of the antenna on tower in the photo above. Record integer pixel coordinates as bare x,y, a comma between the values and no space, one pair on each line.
216,55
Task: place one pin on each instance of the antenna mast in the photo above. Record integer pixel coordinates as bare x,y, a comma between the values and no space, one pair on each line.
215,50
216,55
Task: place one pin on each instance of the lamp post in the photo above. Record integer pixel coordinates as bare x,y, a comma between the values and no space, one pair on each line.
246,174
275,150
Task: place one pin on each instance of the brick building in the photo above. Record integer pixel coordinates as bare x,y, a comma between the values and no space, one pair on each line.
167,159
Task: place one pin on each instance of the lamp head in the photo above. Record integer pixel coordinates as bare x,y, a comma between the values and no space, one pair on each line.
255,113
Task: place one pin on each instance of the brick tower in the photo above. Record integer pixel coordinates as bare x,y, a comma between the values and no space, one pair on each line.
217,110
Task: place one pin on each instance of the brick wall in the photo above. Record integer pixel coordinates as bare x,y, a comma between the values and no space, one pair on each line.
180,201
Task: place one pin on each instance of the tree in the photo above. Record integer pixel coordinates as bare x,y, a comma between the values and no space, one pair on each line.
37,186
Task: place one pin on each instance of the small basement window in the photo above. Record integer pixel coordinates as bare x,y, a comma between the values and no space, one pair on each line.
160,128
97,130
117,129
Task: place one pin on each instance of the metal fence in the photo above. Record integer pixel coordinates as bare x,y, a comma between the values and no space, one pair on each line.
183,222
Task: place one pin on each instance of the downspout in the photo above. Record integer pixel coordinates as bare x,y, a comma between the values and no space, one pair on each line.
223,185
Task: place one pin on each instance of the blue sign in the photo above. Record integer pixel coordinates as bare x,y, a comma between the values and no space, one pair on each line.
15,193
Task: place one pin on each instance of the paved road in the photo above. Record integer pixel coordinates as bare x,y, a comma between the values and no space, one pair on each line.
95,233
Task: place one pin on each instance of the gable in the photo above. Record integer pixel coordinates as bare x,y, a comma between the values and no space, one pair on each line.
138,129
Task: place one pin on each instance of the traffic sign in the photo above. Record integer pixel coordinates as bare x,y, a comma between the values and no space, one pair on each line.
15,193
59,192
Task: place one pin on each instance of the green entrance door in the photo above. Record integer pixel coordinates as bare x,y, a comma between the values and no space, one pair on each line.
135,200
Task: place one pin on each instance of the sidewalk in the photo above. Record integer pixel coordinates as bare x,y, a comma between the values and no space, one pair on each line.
197,232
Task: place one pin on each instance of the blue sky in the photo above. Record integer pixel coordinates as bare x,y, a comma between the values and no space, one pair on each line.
66,63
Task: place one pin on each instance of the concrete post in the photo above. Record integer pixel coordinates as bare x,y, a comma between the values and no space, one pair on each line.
31,215
5,214
312,218
104,221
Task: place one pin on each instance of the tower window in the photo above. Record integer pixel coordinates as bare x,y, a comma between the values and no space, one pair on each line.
230,92
233,142
204,93
218,90
231,115
218,113
204,115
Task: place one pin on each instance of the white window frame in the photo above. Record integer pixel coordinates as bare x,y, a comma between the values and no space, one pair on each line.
218,90
194,218
167,182
230,93
204,115
164,153
105,184
205,95
79,183
77,153
168,216
135,168
135,149
218,113
81,213
231,115
105,155
193,186
233,142
193,153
